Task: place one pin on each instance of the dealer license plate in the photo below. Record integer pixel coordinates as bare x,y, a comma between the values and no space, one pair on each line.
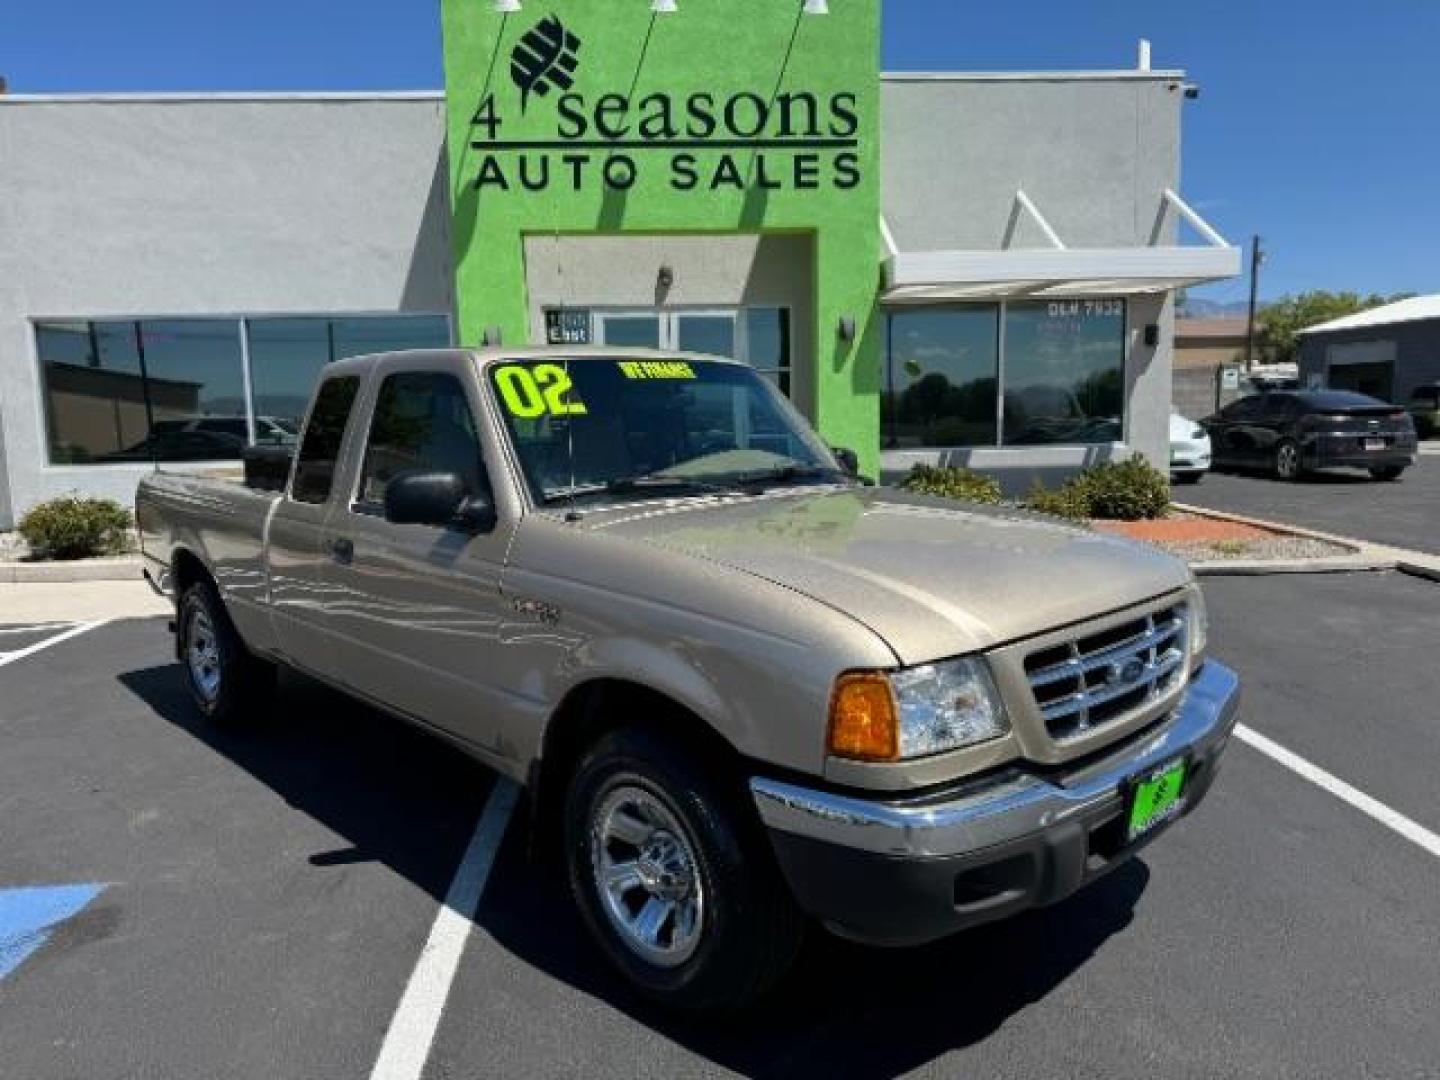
1374,444
1156,798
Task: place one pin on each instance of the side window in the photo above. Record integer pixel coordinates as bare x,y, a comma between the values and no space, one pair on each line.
422,421
320,448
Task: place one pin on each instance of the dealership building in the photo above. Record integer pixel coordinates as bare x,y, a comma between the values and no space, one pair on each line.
936,267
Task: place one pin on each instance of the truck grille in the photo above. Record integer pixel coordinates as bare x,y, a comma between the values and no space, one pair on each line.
1094,680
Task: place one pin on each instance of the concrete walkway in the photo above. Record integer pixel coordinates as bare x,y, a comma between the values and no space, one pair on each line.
80,601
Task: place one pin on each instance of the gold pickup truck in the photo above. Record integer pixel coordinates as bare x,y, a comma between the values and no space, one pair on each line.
745,689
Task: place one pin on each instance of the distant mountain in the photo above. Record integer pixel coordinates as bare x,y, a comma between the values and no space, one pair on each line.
1198,308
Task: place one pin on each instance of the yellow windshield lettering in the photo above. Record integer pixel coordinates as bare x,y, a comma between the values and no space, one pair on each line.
545,390
656,369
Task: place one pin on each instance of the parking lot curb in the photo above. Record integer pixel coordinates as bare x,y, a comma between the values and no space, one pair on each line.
121,569
1367,557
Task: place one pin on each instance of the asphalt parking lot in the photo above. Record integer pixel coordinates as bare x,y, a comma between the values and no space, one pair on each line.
254,904
1340,501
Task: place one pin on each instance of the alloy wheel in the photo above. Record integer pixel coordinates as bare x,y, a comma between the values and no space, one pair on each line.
202,654
647,876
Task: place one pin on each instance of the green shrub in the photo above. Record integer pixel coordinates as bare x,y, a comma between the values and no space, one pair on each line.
952,483
1131,490
1066,502
74,528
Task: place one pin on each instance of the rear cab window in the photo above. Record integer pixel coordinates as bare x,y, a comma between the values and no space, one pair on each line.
320,448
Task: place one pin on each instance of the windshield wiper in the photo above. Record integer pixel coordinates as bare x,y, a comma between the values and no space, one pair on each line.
785,474
637,485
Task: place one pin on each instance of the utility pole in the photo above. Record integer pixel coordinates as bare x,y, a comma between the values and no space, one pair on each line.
1257,257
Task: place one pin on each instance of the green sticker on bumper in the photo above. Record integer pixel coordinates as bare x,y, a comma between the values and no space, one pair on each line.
1157,799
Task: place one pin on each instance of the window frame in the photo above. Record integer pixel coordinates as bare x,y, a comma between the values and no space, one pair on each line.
356,400
240,322
1001,307
356,504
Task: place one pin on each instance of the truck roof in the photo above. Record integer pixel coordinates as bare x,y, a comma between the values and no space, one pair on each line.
489,355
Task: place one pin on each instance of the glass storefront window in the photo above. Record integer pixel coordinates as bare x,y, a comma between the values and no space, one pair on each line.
1062,369
173,390
95,395
286,358
1064,372
767,344
943,369
196,387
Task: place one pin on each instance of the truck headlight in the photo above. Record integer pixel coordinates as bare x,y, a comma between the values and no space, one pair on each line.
894,716
1199,623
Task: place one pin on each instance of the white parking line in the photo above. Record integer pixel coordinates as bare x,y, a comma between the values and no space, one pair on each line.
31,650
412,1029
1392,819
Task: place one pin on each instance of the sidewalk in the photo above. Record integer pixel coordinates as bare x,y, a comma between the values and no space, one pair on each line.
81,601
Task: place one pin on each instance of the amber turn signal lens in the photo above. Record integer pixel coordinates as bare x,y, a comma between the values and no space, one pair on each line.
863,722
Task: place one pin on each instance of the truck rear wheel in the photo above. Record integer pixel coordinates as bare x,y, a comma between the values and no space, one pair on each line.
225,680
677,887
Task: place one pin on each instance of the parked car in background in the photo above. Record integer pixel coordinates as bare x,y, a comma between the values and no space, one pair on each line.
1294,432
1189,450
1424,409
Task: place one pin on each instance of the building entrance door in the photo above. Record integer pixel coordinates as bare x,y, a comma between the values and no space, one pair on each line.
712,332
758,336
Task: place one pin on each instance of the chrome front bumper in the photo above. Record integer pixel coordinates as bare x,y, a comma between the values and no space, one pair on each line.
1012,808
908,871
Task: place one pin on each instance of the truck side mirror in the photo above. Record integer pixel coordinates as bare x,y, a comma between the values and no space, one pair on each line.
848,459
435,498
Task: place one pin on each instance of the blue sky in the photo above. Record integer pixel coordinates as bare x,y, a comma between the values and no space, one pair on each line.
1317,126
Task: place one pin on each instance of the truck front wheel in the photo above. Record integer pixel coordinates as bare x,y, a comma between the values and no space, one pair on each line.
677,887
224,679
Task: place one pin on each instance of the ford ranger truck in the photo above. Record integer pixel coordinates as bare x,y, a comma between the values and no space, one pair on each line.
745,690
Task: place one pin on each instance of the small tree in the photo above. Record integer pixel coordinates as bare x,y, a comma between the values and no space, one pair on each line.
1281,320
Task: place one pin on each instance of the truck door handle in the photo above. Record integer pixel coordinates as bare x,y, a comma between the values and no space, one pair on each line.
342,550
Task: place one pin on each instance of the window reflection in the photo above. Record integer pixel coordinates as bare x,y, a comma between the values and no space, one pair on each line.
196,393
943,367
174,390
95,399
1064,372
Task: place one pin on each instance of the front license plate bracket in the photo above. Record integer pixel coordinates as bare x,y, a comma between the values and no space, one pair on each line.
1154,797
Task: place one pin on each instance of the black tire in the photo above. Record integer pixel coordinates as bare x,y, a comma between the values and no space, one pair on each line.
1388,473
749,928
1189,477
242,683
1288,463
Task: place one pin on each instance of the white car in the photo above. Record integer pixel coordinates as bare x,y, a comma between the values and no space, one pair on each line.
1189,450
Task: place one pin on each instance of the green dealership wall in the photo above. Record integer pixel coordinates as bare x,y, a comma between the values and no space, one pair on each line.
728,116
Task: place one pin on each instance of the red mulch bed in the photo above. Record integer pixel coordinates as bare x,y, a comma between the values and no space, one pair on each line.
1184,530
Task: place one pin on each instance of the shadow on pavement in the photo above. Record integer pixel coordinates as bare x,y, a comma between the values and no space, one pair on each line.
396,795
845,1010
409,801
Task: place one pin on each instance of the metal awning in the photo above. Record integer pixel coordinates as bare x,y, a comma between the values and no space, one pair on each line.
1058,271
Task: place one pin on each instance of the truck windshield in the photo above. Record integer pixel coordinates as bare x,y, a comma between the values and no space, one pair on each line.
598,428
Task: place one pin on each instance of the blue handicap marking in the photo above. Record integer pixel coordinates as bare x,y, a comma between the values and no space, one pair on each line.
29,916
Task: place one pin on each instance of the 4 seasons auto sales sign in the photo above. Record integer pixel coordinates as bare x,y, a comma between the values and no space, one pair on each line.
694,141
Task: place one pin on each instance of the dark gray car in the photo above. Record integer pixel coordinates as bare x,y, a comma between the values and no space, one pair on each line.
1295,432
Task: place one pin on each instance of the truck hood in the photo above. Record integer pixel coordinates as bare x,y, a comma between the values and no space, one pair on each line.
934,578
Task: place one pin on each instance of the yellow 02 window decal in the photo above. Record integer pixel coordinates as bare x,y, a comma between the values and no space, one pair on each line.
544,390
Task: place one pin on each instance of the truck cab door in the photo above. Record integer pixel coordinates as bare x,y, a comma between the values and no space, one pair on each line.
417,612
295,536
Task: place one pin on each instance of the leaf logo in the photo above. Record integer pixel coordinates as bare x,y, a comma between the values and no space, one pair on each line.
545,58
